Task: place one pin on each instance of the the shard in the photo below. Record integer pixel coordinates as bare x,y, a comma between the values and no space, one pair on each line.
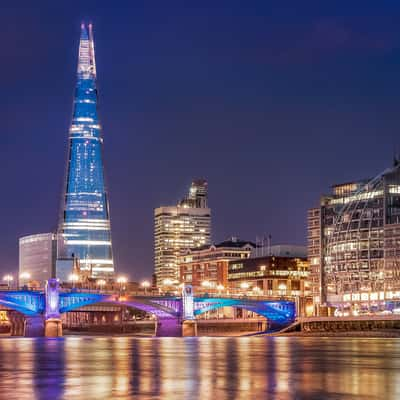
85,220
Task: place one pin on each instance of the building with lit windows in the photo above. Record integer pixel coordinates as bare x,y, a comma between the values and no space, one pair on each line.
37,259
206,267
354,246
179,228
85,220
274,276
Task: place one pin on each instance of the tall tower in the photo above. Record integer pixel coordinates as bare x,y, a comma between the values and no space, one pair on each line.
179,228
84,226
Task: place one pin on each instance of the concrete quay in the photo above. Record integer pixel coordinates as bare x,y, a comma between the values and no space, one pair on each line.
367,324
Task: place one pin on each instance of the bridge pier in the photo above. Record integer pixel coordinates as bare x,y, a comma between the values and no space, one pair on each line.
168,327
23,325
16,323
189,328
173,327
53,327
34,326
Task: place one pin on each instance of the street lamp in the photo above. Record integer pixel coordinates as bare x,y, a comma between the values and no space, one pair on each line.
100,283
244,286
220,288
8,278
256,290
121,280
145,285
73,278
25,276
282,289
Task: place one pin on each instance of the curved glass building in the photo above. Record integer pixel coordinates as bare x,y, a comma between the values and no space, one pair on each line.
85,221
354,245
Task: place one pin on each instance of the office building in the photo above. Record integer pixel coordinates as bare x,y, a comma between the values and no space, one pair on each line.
206,267
37,258
179,228
272,276
85,219
354,245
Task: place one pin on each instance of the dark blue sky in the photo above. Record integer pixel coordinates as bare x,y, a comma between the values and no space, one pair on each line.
272,104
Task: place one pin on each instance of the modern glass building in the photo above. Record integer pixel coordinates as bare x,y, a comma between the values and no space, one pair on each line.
354,245
85,221
37,258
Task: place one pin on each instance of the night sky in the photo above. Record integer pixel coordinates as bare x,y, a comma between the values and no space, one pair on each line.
271,104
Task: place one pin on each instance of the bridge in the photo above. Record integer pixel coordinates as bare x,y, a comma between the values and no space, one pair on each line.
39,313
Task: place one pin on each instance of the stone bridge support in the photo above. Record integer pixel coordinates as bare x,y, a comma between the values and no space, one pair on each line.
168,327
22,325
174,327
17,322
53,327
34,326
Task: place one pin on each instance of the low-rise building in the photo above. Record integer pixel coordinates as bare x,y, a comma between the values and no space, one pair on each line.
269,276
206,268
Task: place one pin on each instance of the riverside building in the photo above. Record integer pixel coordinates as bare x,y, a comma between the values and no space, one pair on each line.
354,246
273,276
85,220
37,259
206,267
179,228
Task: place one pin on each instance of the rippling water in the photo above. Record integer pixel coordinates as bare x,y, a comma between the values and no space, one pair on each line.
199,368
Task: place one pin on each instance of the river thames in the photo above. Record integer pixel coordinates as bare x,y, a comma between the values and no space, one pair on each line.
199,368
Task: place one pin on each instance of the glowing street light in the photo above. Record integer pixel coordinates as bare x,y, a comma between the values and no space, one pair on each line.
25,275
244,285
100,283
121,280
220,288
8,278
256,290
282,289
145,285
206,284
168,282
73,278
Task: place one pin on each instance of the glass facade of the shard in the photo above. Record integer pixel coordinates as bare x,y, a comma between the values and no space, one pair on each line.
85,221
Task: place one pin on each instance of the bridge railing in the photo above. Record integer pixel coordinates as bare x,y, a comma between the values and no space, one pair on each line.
170,294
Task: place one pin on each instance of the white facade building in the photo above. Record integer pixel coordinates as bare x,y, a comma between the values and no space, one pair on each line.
179,228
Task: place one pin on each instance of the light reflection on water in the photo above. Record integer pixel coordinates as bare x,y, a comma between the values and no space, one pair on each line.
199,368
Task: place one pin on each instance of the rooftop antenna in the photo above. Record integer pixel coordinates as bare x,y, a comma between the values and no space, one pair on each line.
396,159
269,245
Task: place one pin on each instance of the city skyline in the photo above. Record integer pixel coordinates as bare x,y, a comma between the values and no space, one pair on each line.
259,111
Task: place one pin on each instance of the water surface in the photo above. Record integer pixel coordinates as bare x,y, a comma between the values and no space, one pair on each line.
199,368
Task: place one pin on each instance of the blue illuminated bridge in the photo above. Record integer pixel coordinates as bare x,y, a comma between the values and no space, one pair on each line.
42,311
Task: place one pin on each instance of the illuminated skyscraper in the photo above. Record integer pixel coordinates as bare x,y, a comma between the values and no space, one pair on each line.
85,221
178,228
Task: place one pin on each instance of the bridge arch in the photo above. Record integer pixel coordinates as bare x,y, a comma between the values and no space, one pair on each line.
27,303
280,312
166,310
161,308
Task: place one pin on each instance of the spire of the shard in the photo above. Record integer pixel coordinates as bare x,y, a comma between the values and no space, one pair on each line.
86,61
